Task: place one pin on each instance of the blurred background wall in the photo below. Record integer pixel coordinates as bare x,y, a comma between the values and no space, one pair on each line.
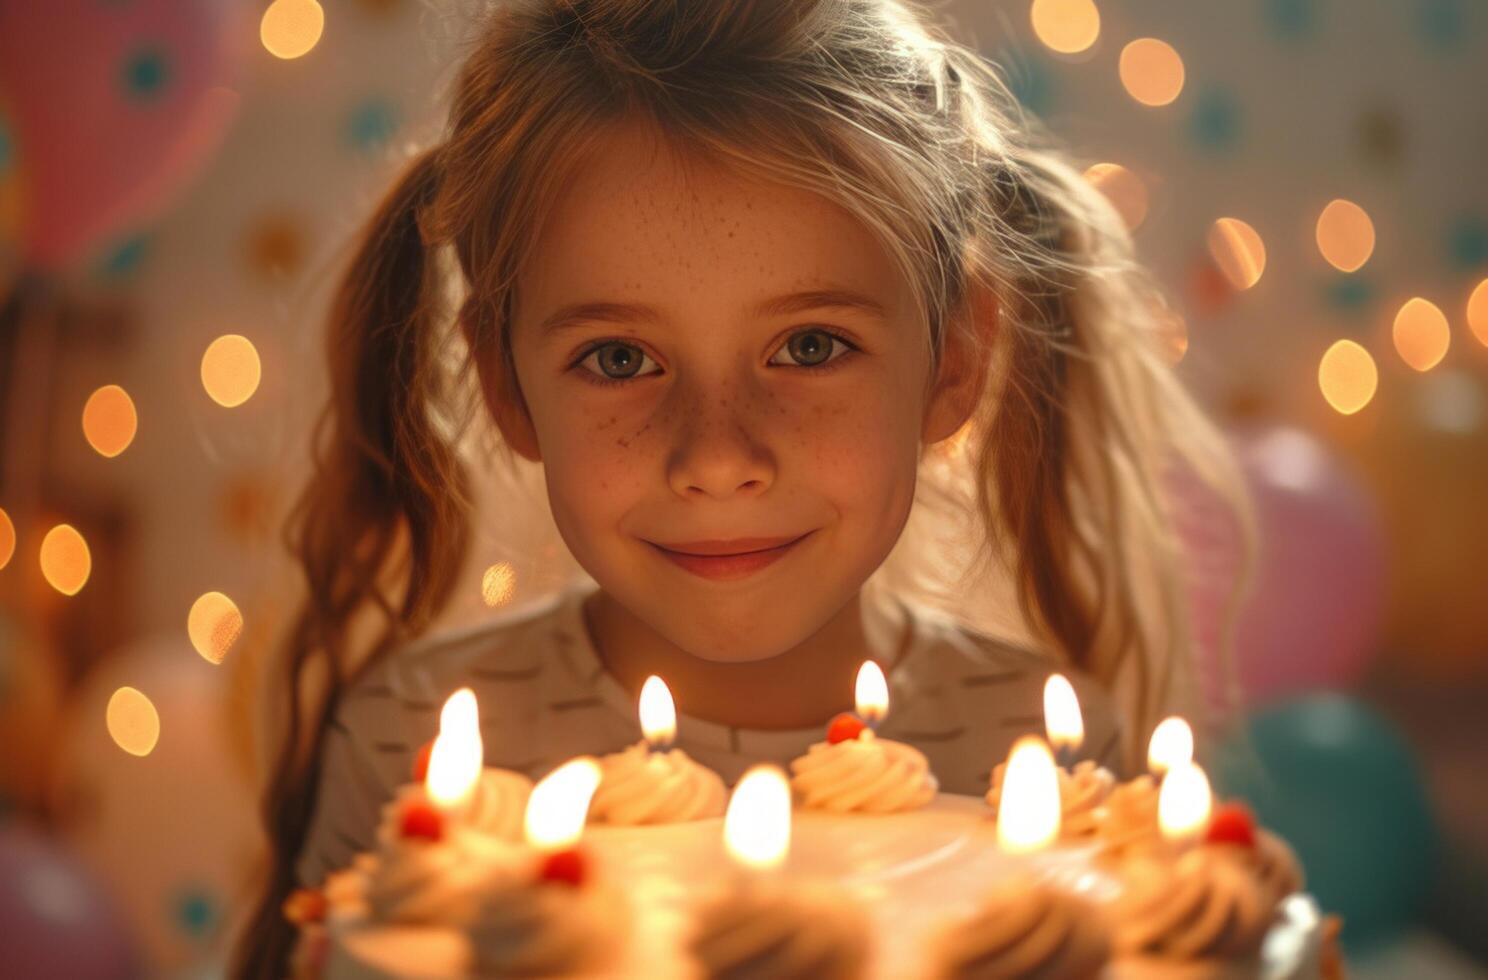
178,182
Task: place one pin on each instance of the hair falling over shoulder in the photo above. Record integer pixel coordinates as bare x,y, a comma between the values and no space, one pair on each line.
866,102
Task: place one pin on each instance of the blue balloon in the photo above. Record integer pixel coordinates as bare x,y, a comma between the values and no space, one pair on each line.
1337,781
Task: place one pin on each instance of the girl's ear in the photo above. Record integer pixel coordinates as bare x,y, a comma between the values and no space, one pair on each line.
503,397
961,375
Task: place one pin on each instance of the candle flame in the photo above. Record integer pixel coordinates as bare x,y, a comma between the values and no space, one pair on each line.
1172,745
559,804
456,759
658,712
1184,803
1028,816
757,826
1062,718
872,693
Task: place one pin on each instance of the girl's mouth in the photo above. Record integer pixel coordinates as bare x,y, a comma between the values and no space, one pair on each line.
727,560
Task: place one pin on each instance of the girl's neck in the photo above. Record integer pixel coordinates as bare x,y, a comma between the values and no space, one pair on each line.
801,688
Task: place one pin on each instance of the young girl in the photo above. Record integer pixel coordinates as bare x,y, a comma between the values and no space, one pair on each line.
749,280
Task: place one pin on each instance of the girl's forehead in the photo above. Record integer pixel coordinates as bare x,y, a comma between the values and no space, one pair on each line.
636,222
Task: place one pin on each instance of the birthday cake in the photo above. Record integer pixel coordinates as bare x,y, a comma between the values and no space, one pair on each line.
851,865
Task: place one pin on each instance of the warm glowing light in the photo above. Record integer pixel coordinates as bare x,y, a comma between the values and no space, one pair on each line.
1151,71
1345,235
230,370
1124,189
1477,314
1062,718
7,538
291,28
456,759
498,584
658,713
65,560
1184,802
757,825
872,693
1028,819
1172,745
1347,377
109,420
559,804
1421,334
1066,26
1238,251
214,625
133,722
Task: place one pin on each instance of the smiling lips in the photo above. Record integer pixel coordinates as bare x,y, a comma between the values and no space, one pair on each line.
731,559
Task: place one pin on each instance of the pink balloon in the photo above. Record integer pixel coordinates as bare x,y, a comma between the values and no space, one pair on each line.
114,106
1316,606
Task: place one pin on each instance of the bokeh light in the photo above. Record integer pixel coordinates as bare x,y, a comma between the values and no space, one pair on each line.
291,28
1124,189
1237,249
65,560
7,538
1348,377
1151,71
1065,26
133,722
1345,235
214,625
1421,334
498,584
1477,312
109,420
230,370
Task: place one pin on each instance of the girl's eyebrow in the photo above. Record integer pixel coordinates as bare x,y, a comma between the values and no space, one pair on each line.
814,299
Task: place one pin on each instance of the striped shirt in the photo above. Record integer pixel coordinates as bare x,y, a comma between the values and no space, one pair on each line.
959,696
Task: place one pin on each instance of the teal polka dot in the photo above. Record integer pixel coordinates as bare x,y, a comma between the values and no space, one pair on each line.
371,125
1468,242
1214,122
1441,23
125,258
1029,81
195,912
146,73
1350,294
1291,19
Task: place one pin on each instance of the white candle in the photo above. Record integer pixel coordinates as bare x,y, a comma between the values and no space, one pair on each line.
871,694
1172,745
658,714
456,759
1029,814
1062,718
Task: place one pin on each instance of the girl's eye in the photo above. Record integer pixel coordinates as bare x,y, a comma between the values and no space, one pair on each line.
812,348
616,361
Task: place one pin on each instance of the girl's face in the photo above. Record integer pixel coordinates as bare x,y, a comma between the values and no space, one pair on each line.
715,365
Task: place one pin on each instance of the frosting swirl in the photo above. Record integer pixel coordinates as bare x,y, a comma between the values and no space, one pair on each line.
1206,905
865,774
1272,861
758,933
1022,931
639,786
499,804
423,882
525,927
1126,823
1082,790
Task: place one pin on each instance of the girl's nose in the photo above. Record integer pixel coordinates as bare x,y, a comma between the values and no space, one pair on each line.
716,454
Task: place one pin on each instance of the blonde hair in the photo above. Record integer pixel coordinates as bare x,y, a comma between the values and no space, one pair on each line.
865,102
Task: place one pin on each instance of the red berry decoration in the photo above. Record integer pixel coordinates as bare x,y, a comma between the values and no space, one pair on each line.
566,867
421,761
844,728
1232,823
421,819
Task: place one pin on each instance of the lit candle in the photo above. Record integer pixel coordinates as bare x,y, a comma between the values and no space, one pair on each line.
559,805
872,694
1062,719
757,824
457,756
1028,819
1184,804
1172,745
658,714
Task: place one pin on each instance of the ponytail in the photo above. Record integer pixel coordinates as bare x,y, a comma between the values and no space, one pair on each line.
380,526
